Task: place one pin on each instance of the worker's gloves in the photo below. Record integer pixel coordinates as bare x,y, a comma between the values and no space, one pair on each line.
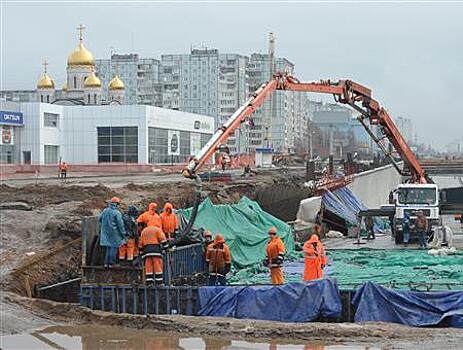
164,245
278,260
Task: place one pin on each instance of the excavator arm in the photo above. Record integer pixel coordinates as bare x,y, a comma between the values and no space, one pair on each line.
343,91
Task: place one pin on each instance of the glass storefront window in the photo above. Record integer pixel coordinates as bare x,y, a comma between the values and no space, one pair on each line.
158,146
50,154
118,144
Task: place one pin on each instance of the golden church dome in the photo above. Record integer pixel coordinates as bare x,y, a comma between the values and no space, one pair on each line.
92,81
45,82
81,56
64,87
116,84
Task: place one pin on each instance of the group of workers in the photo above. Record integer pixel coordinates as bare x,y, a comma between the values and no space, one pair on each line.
130,235
218,257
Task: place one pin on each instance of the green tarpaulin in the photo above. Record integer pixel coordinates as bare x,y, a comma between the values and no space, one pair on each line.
396,267
399,268
244,226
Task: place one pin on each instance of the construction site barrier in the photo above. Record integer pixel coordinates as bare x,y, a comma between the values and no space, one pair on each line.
183,262
183,300
142,300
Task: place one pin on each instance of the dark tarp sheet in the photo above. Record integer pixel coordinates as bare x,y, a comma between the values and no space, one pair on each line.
349,199
337,204
293,302
346,205
195,235
376,303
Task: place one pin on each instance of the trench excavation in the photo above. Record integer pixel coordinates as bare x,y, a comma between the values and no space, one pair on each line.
44,257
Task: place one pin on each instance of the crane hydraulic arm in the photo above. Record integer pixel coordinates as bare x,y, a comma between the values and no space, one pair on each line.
343,91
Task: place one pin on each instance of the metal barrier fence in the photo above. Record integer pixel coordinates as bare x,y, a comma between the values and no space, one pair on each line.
165,300
184,261
181,262
141,300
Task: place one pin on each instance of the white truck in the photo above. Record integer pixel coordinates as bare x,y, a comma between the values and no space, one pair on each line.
409,198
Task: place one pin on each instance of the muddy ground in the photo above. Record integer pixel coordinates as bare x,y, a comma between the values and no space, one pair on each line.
56,210
387,336
41,246
40,237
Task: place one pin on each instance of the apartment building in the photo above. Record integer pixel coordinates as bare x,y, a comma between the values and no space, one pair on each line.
141,77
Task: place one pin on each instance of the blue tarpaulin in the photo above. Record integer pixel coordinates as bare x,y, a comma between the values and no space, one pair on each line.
376,303
293,302
344,204
349,199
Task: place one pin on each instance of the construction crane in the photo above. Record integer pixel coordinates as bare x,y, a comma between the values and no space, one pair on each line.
343,91
419,194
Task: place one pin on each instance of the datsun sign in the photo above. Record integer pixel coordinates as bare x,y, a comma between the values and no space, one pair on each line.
11,118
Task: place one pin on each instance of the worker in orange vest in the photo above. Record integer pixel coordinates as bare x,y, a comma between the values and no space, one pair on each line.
150,217
275,255
313,260
169,222
152,243
63,170
218,257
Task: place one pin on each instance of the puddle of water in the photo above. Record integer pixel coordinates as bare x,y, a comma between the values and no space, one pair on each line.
119,338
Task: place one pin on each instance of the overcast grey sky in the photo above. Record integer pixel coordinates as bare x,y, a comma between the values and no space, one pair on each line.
410,55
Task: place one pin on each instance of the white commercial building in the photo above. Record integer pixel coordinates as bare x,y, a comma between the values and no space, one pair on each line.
137,134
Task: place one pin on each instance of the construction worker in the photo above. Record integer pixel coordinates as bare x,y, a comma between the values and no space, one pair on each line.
312,261
150,217
63,170
421,224
218,258
129,250
169,222
275,255
112,231
369,223
152,243
207,239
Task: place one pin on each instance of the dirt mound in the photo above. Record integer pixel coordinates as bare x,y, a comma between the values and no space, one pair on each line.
40,195
180,194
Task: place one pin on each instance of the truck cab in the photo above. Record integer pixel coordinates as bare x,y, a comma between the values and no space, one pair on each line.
411,198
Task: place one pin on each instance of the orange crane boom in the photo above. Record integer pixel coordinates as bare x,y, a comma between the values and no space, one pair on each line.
343,91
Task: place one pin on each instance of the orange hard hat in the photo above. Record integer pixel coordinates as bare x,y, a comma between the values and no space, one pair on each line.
219,238
116,200
152,206
314,239
168,206
272,231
